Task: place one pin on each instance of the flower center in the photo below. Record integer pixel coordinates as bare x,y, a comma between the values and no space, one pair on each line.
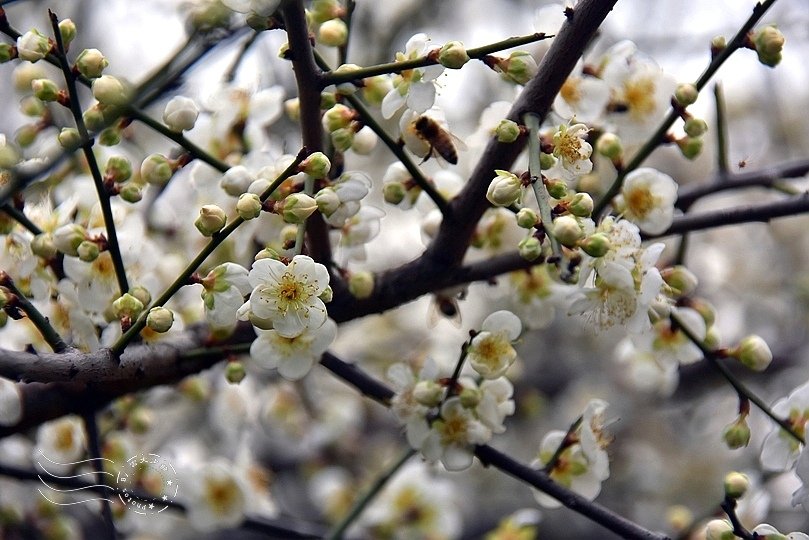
570,91
639,95
640,201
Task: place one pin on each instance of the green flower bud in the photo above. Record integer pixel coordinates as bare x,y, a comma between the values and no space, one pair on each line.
208,15
470,397
736,485
690,147
530,248
686,94
428,393
505,189
316,165
338,116
45,89
127,306
327,201
7,224
211,220
292,108
712,338
248,206
327,295
26,135
9,155
33,46
375,89
737,434
695,127
527,218
235,372
769,43
507,131
67,29
342,139
453,55
6,52
705,309
288,235
719,529
156,169
109,137
546,161
333,33
32,106
518,68
69,138
160,319
94,118
118,169
88,251
596,245
109,90
394,192
753,352
68,238
297,207
682,281
346,88
581,205
324,10
91,63
131,192
141,293
609,145
195,388
557,188
4,297
42,245
361,284
567,230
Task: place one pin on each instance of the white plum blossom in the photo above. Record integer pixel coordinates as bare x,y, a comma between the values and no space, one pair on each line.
768,531
180,113
217,496
780,449
491,353
288,295
10,402
293,357
582,97
60,443
647,199
641,370
351,187
225,289
413,87
594,439
572,153
537,295
265,8
496,403
357,231
404,404
801,495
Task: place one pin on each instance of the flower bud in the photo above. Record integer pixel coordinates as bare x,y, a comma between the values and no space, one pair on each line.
686,94
581,205
131,192
753,352
507,131
69,138
327,201
6,52
235,372
26,135
682,281
530,248
470,397
518,68
32,106
333,33
736,485
609,145
705,309
375,89
556,188
211,220
4,297
292,108
719,529
527,218
695,127
297,207
156,169
160,319
690,147
394,192
141,293
428,393
737,434
45,89
109,136
546,161
342,139
505,189
361,284
237,180
338,116
180,113
316,165
718,44
567,230
364,141
67,29
118,169
769,44
248,206
712,338
108,90
42,245
91,63
453,55
140,420
94,118
68,238
33,46
195,388
327,295
127,306
88,251
288,235
596,245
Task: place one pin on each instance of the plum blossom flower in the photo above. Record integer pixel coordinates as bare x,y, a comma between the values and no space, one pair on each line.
572,152
413,87
180,113
496,403
292,356
582,97
490,353
647,199
10,402
768,531
288,295
225,289
780,449
60,443
801,495
217,496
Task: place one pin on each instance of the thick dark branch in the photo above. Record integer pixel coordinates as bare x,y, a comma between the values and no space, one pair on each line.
456,230
766,177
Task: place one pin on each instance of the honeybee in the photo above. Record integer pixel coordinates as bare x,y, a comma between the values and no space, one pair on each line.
442,142
445,304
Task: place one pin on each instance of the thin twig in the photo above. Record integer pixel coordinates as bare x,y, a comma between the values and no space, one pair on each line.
49,333
94,448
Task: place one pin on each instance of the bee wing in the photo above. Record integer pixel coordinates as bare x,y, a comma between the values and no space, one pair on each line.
459,144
